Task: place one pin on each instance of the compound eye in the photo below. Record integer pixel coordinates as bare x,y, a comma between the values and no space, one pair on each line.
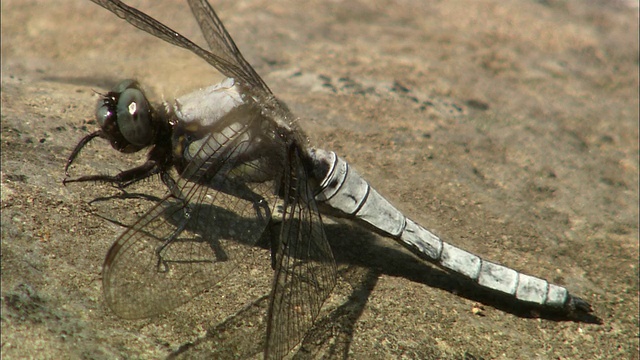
133,117
104,114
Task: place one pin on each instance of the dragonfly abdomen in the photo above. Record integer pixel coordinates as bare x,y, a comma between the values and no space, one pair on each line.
344,190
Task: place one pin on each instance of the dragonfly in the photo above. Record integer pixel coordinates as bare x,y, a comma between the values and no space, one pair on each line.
234,160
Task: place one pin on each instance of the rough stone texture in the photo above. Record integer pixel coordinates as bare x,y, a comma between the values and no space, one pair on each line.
509,128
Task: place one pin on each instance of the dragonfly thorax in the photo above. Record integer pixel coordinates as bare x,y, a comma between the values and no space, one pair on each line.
207,106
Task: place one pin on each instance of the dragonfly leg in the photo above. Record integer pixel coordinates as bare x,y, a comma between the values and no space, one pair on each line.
262,209
271,236
171,185
79,147
162,265
125,178
275,224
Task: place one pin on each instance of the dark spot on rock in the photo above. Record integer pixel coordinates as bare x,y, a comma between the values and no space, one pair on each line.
477,104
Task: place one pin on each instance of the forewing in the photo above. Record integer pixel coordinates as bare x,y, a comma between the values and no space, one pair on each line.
221,43
188,242
305,269
221,61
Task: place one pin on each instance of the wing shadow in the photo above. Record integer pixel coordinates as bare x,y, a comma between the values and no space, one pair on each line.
362,257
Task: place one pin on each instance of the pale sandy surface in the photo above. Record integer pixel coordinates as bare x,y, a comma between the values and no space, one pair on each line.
511,131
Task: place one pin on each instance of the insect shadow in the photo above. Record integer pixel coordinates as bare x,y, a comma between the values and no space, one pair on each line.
362,258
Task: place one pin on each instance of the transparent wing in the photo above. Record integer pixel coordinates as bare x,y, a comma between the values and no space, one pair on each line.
305,269
226,57
221,43
188,242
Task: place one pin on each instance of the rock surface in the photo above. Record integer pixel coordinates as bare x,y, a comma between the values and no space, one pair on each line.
508,128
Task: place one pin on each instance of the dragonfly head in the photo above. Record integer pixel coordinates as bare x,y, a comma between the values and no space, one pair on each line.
125,116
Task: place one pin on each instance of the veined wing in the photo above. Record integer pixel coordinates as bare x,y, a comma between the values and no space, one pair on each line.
188,241
226,57
221,43
305,271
